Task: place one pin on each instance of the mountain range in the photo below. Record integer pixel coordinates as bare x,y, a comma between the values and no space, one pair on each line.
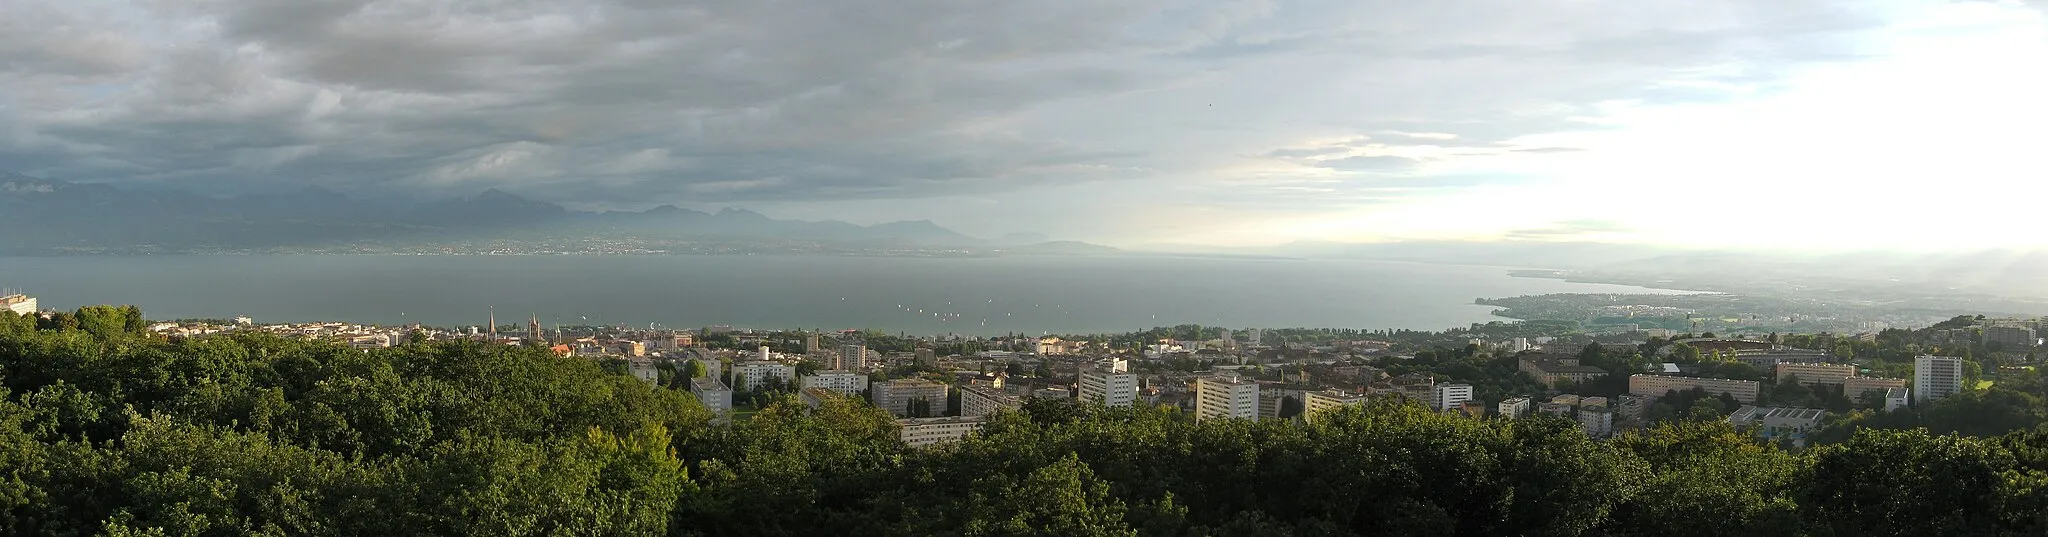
44,216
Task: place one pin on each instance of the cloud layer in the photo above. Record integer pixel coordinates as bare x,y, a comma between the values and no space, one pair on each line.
1239,105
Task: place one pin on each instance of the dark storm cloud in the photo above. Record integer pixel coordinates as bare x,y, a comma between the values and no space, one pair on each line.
621,102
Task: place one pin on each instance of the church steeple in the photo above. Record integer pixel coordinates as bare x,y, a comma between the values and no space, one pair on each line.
494,323
533,330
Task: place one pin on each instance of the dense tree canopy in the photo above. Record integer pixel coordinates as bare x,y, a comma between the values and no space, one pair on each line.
107,431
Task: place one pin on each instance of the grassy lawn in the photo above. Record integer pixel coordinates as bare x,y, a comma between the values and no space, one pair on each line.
741,416
1984,384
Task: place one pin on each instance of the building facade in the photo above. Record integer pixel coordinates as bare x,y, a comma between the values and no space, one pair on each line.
845,382
715,396
1896,398
2010,337
1826,374
1226,398
1108,389
978,400
1513,407
1451,396
1556,370
1936,377
1744,391
921,432
851,357
1596,420
1854,387
19,304
1315,402
895,396
754,376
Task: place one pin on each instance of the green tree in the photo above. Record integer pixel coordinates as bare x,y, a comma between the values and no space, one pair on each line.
1063,499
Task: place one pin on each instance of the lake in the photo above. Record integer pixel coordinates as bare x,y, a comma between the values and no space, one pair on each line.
916,295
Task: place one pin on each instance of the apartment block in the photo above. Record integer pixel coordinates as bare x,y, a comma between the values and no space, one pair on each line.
1826,374
894,396
1514,407
845,382
755,375
1451,396
922,432
1224,397
1854,387
1108,389
1313,402
978,400
1936,377
1744,391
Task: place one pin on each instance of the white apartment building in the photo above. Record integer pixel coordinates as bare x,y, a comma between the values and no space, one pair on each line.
1109,389
1936,377
1514,407
1451,396
752,376
847,383
977,400
1596,420
921,432
1896,398
1223,397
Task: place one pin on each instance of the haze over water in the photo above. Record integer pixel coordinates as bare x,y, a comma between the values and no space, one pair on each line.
915,295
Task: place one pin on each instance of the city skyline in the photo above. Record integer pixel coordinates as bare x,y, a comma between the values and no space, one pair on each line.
1220,124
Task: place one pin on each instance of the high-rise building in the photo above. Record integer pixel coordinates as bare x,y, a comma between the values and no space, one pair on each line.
1109,389
844,382
1225,397
926,357
851,357
895,396
1936,377
1226,338
1253,337
813,343
1452,396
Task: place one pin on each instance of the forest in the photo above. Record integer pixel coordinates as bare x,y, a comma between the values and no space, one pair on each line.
106,430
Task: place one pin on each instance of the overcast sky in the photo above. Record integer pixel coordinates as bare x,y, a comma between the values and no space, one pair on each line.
1858,122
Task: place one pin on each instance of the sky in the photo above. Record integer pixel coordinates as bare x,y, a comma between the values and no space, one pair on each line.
1862,123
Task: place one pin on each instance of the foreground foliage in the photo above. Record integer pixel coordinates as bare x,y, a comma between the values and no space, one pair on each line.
106,432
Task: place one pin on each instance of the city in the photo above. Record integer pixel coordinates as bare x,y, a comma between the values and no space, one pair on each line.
940,388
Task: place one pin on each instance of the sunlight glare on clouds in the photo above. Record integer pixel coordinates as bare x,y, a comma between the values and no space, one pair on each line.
1943,128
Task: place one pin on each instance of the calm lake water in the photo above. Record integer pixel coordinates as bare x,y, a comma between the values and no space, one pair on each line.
916,295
